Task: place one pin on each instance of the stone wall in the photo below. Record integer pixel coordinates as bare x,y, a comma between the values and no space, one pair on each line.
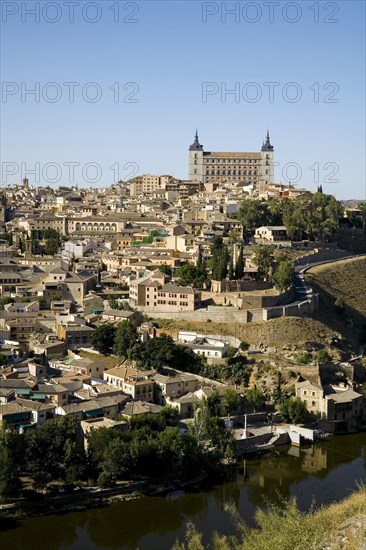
239,286
248,300
234,315
323,256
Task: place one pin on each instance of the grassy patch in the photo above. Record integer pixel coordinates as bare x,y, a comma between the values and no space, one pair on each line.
339,526
107,361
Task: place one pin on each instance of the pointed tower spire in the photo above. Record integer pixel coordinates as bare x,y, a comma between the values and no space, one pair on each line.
196,146
267,144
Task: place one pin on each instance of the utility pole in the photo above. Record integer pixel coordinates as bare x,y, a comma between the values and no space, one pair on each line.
245,427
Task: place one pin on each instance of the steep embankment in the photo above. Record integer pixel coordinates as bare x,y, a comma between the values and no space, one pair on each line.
340,526
277,333
345,281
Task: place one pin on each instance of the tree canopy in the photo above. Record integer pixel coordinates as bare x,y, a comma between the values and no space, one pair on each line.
263,259
103,338
283,276
293,410
125,337
192,275
317,215
255,397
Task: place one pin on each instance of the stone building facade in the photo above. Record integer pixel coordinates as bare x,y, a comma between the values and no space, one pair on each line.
241,167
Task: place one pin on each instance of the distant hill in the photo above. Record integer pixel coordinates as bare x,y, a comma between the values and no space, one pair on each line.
352,203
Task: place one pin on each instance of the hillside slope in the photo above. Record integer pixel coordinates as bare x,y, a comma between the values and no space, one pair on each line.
345,280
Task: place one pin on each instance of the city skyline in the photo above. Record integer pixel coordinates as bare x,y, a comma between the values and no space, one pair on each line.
125,85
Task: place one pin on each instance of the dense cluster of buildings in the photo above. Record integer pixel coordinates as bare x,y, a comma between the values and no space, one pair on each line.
119,250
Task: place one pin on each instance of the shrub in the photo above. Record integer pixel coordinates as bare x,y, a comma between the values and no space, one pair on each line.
323,356
303,358
244,346
339,306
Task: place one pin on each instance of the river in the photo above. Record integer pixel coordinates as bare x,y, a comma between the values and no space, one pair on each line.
327,472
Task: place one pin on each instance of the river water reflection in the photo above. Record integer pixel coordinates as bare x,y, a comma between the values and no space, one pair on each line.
324,473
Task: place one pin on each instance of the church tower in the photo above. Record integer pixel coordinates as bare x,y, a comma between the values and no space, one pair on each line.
195,160
267,157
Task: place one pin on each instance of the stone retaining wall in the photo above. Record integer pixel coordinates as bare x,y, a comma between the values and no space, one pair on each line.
234,315
248,300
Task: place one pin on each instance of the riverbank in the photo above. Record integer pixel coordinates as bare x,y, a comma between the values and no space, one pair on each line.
338,526
316,475
95,497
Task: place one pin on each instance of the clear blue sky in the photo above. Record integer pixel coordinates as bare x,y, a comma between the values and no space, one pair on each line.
169,53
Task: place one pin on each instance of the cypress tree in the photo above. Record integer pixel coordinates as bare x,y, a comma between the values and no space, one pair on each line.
239,267
231,270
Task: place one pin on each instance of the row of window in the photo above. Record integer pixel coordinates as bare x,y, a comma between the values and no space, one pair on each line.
232,173
232,161
171,303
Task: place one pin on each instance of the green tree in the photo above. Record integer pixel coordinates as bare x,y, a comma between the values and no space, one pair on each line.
231,270
362,207
51,234
162,351
53,448
317,215
103,338
255,397
9,462
303,358
339,306
244,346
323,357
251,213
3,359
165,268
217,243
263,258
37,248
42,303
192,275
239,266
283,276
21,245
126,337
52,246
220,261
213,403
231,400
293,410
199,258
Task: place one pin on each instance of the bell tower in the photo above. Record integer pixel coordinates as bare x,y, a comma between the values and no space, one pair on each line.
267,156
195,160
